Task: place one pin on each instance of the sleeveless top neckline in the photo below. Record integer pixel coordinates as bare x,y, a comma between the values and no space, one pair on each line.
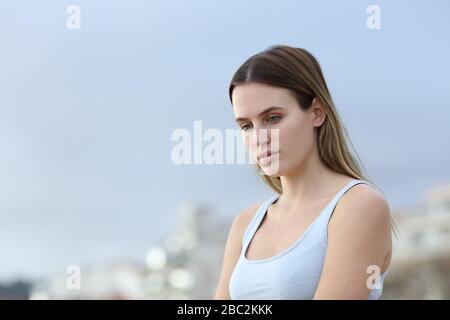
263,212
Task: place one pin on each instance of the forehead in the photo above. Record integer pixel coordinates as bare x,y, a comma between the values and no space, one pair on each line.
255,97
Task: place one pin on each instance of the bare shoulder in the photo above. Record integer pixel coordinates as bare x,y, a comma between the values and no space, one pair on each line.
233,248
362,209
363,198
242,220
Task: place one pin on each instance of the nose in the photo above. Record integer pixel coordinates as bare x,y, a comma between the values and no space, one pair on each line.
261,137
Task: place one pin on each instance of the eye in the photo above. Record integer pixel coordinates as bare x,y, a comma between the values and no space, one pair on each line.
273,118
245,126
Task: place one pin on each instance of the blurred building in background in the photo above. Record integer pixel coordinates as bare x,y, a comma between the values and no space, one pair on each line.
15,290
420,268
185,265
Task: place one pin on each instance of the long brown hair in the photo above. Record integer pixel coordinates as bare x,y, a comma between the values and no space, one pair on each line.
299,71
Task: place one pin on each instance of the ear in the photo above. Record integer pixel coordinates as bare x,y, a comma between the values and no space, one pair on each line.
318,111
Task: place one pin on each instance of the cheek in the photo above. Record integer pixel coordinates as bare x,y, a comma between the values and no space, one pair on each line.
295,136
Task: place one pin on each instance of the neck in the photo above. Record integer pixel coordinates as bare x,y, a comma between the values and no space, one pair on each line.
309,182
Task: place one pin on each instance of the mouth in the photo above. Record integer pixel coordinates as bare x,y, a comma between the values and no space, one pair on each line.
266,157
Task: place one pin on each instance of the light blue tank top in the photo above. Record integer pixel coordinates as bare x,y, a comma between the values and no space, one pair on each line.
293,273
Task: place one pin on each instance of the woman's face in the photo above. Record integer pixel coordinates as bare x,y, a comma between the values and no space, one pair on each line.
258,109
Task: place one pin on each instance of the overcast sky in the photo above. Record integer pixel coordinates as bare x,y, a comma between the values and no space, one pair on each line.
86,115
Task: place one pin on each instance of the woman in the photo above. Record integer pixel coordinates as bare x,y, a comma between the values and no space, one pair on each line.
326,234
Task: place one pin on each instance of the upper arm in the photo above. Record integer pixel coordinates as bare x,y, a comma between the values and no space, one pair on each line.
233,249
359,238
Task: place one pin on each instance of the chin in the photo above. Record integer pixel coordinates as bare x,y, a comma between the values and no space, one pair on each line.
271,170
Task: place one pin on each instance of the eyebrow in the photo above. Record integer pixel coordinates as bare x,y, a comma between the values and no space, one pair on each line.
261,114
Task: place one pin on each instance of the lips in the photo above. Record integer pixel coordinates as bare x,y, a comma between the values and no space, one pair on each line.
266,155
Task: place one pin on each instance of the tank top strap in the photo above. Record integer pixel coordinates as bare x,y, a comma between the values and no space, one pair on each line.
328,211
256,220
